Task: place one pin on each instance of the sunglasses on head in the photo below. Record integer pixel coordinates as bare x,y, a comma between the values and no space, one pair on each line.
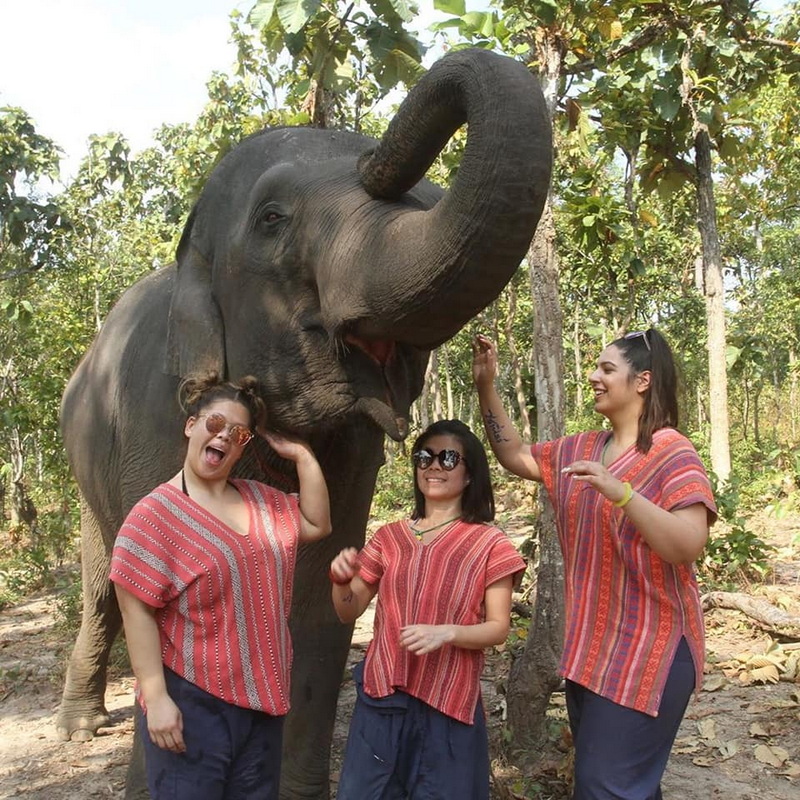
449,459
216,423
636,335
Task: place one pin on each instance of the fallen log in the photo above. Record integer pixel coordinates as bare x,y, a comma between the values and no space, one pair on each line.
767,616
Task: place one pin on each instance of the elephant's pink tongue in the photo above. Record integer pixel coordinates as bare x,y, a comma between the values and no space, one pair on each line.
214,456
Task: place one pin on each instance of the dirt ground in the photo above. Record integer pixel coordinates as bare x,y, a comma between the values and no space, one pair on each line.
740,739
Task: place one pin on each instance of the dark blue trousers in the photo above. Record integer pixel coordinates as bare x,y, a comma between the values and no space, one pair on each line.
400,748
232,753
621,754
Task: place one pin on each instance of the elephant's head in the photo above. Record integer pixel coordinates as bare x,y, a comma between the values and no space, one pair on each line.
329,268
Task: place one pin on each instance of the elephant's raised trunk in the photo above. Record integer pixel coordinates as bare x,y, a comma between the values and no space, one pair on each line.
438,268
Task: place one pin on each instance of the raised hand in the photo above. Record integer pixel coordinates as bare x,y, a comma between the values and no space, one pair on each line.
288,447
484,361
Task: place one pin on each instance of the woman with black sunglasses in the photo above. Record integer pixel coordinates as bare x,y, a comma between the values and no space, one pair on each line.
443,578
203,569
633,508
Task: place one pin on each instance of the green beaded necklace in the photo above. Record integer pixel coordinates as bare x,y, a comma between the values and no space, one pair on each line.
419,534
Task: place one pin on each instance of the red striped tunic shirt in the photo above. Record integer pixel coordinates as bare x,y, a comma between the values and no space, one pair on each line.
441,583
222,599
626,608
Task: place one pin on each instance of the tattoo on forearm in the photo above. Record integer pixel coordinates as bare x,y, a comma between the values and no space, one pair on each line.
493,427
348,598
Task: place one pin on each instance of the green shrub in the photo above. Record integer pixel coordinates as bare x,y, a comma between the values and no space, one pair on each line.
69,602
394,496
22,572
734,554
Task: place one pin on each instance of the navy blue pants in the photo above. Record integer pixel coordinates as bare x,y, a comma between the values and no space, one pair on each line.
621,754
400,748
232,753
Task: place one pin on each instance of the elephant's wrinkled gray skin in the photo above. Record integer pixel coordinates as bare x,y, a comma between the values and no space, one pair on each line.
326,267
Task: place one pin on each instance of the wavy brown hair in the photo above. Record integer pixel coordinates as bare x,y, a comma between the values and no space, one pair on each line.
200,390
648,351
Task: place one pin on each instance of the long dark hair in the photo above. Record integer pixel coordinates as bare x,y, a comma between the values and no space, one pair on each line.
648,350
201,390
477,501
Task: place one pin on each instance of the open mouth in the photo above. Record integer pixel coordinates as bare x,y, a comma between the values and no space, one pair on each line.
214,456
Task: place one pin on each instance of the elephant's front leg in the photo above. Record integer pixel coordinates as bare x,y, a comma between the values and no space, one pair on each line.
83,709
321,645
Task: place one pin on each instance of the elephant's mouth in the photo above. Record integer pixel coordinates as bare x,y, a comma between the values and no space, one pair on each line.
387,379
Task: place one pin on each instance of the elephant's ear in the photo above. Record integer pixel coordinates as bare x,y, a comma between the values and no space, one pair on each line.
195,333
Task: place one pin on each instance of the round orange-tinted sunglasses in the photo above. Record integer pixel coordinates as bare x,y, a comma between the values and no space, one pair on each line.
216,423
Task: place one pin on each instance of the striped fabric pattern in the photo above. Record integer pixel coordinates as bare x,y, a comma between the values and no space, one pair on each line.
222,599
626,608
433,584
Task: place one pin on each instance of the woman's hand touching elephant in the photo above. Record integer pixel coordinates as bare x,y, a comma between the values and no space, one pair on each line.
599,478
288,447
315,509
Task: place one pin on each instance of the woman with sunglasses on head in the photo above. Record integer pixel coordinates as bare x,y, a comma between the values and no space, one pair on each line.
443,579
633,509
203,569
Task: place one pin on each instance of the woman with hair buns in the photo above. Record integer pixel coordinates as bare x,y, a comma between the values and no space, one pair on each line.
633,508
203,569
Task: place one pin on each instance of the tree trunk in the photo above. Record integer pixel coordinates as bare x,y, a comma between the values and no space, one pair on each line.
23,510
793,393
714,293
516,367
534,675
448,382
576,346
436,387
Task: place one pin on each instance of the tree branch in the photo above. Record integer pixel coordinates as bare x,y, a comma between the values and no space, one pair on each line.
767,616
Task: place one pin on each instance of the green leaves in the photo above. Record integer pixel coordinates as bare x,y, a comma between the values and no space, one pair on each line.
455,7
261,13
545,11
667,103
294,14
16,311
342,55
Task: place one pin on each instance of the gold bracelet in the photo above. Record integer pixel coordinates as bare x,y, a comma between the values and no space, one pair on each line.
626,498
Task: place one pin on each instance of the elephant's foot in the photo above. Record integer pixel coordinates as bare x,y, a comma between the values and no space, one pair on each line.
76,725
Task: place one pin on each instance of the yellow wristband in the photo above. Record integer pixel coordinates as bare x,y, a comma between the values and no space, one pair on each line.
626,498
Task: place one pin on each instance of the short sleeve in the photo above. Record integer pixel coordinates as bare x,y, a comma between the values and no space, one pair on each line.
504,560
370,559
685,481
141,561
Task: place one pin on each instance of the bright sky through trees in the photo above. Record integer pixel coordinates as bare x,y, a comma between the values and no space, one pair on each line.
93,66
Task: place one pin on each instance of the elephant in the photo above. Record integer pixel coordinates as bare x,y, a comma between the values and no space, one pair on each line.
325,264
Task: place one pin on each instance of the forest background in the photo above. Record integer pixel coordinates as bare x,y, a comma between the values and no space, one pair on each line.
674,203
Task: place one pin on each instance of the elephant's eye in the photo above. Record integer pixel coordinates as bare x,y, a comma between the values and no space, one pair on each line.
266,218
